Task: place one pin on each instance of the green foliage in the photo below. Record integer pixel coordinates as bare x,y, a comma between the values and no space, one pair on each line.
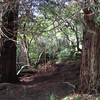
64,54
52,97
75,98
53,31
65,98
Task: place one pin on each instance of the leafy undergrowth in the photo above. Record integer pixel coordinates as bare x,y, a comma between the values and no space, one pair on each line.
78,97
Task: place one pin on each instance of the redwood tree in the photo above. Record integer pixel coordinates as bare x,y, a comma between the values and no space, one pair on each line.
7,41
90,67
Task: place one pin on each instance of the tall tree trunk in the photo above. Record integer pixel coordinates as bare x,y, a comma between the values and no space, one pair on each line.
8,44
90,67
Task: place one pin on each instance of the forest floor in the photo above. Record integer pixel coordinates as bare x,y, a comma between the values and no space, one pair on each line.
49,81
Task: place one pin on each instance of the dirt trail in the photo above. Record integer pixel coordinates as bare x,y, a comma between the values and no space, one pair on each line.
48,80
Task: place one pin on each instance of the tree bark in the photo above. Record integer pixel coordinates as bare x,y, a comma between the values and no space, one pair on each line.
90,67
8,42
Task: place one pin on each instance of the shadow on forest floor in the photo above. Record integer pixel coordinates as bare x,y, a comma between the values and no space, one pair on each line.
59,80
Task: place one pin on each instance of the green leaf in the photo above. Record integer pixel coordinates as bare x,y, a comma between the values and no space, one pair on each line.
52,97
75,98
65,98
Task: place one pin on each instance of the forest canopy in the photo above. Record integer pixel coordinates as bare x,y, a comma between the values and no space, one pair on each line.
54,28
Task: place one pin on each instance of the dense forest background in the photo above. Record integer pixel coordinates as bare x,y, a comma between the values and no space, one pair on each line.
36,35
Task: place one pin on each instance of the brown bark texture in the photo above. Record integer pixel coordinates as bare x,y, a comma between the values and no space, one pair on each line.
7,42
90,66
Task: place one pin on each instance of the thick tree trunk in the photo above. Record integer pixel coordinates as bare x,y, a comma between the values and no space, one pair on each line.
8,44
90,67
